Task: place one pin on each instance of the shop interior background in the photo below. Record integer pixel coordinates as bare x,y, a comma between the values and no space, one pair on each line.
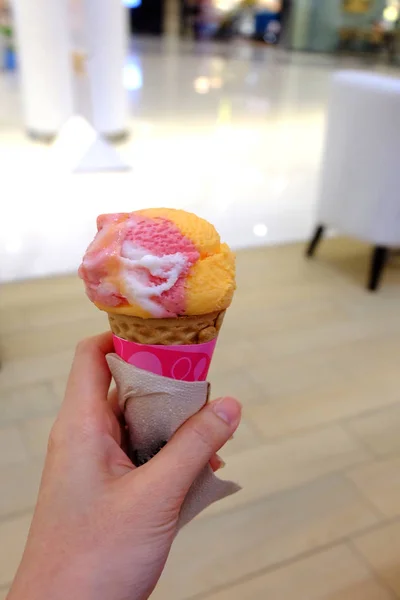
218,107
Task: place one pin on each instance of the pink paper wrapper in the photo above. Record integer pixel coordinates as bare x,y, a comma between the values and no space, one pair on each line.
182,363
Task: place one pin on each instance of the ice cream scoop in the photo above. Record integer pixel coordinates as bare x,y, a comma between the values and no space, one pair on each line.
158,263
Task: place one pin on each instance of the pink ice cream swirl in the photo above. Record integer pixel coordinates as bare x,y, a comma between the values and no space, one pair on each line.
138,260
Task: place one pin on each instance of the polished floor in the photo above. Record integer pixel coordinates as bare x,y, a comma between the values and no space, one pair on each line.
233,133
314,359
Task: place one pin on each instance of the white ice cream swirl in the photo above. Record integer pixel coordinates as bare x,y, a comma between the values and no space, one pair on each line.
137,267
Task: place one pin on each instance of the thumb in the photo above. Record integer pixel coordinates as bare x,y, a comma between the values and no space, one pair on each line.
178,464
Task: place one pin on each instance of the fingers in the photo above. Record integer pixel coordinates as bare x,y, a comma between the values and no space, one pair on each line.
114,404
118,431
90,376
216,463
178,464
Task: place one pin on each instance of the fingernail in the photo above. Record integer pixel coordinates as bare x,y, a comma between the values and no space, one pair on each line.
221,462
227,409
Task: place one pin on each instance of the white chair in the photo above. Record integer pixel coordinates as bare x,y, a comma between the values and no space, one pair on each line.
360,177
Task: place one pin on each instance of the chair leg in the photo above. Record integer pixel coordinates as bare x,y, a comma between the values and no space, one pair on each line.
378,261
315,240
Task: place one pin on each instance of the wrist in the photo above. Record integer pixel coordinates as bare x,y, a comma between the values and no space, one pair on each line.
56,579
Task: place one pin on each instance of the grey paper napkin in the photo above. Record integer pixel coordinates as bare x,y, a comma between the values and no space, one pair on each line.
154,408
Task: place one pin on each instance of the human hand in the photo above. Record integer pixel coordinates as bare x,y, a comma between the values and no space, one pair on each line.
102,529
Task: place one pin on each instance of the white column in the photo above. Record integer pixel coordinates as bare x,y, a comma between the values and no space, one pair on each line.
45,64
300,24
106,35
171,18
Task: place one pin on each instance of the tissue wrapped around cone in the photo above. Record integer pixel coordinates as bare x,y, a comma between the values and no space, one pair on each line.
193,329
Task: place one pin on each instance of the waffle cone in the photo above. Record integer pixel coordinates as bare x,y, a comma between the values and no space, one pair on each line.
193,329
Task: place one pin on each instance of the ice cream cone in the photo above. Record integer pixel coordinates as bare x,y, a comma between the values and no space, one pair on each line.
185,330
165,280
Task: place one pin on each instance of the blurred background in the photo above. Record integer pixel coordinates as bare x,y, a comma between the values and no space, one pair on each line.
278,121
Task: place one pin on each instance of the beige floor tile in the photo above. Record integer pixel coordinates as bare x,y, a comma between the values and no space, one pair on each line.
26,401
12,449
232,353
307,371
72,311
281,290
36,292
287,463
35,369
245,437
327,336
13,319
237,383
357,359
13,534
379,430
252,314
221,549
19,486
279,321
59,385
380,483
347,263
324,404
16,319
335,574
293,374
52,338
381,549
253,318
35,433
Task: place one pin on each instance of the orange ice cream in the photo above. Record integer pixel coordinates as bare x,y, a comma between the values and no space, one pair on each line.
158,263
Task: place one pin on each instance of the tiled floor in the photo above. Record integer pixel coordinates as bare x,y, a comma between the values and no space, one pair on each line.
314,359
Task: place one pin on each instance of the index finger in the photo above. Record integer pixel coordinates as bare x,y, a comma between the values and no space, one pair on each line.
90,377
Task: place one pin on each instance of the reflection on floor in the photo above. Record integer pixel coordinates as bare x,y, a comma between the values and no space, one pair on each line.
314,359
232,132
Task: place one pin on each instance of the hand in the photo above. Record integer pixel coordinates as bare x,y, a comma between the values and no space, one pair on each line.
102,529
